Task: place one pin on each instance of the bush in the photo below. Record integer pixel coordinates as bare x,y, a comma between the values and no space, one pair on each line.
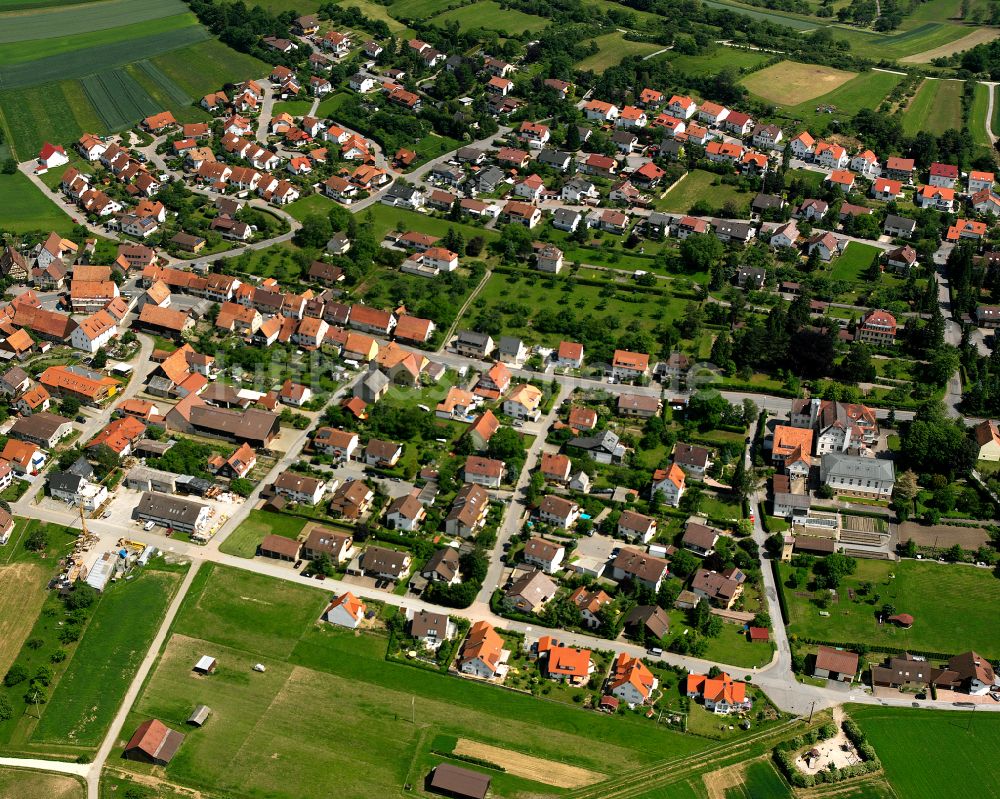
37,540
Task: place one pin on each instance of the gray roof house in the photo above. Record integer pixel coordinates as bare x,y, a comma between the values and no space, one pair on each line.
401,196
899,226
489,179
557,159
474,344
858,476
603,447
566,219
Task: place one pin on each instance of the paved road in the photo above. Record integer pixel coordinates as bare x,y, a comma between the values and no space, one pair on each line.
517,509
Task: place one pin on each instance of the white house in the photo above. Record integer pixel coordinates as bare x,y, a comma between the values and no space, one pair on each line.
546,555
345,611
94,332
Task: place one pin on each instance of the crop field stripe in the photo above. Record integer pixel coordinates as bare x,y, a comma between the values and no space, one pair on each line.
80,63
176,93
25,25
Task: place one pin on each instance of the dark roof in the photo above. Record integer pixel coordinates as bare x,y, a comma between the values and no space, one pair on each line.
168,508
459,782
654,618
64,481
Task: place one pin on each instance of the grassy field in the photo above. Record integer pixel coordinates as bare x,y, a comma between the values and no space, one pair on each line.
613,48
760,781
369,8
21,784
792,83
717,59
867,90
980,109
929,754
706,186
418,9
514,302
951,605
392,714
88,695
936,107
856,258
245,539
964,39
23,207
776,17
488,15
22,584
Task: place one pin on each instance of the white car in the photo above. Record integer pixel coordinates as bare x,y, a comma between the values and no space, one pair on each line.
149,525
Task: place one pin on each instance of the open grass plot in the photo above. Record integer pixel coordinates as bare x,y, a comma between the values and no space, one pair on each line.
929,754
245,539
22,592
248,611
418,9
73,20
773,16
118,98
935,108
952,607
36,785
116,641
613,47
489,15
24,208
699,185
855,259
915,42
957,44
791,83
167,86
715,60
978,115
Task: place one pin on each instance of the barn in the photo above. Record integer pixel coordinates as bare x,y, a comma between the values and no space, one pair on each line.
153,742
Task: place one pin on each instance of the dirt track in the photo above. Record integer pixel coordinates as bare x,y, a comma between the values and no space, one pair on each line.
533,768
979,36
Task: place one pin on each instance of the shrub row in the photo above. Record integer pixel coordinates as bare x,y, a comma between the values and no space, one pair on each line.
784,756
892,650
475,761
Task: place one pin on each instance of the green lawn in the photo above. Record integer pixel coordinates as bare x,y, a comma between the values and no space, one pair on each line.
418,9
775,17
891,46
375,702
856,258
116,641
936,107
952,605
16,782
930,754
613,47
23,207
295,108
760,780
245,539
207,66
489,15
706,186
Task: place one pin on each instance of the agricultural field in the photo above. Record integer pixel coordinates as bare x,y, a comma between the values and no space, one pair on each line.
792,83
613,47
956,45
856,258
60,112
22,584
118,98
935,108
914,44
418,9
207,66
245,539
393,714
37,785
699,185
24,208
930,754
22,51
488,15
81,18
775,17
87,697
952,606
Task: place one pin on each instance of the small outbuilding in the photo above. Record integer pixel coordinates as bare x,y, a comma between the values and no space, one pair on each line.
205,665
458,782
153,742
904,620
758,635
199,715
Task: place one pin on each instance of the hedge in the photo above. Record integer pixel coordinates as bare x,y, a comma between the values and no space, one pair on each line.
782,603
892,650
783,755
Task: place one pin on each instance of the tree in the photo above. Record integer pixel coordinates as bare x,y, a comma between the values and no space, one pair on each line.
70,407
82,596
683,563
315,232
700,251
100,359
572,137
909,548
37,540
241,486
833,568
888,609
6,711
15,674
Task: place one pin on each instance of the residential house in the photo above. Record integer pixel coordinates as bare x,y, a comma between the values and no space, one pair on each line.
636,527
719,588
482,654
670,483
877,327
590,601
468,513
699,538
546,555
836,664
530,592
640,567
484,471
345,611
721,695
559,512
